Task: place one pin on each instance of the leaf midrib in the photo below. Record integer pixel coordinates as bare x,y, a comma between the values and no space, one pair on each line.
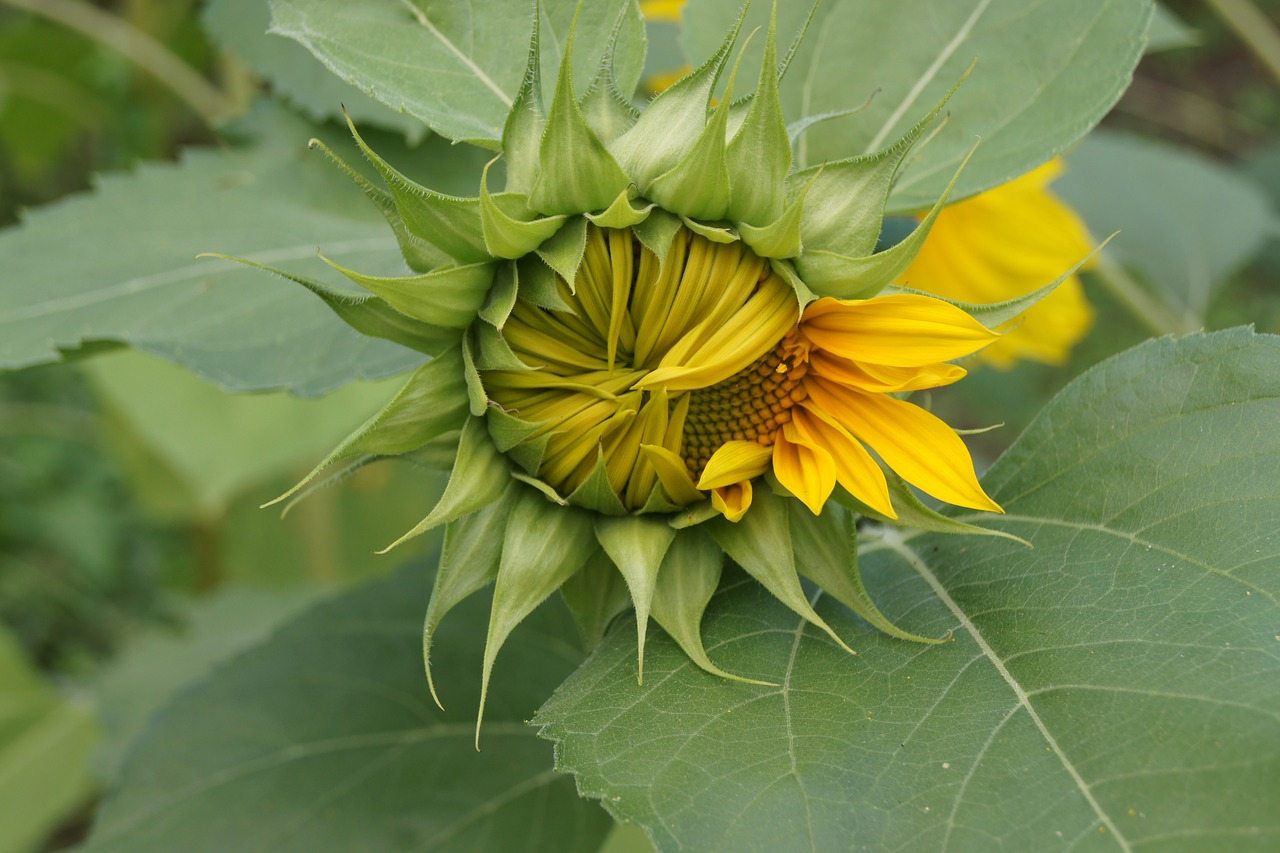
895,543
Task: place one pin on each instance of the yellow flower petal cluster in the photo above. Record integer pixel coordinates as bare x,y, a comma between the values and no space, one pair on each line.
1005,242
698,373
846,358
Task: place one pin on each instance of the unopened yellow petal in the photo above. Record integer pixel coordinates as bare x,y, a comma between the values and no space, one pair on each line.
901,330
804,468
732,501
918,446
733,462
672,473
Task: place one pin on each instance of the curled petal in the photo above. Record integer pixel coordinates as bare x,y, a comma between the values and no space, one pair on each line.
732,501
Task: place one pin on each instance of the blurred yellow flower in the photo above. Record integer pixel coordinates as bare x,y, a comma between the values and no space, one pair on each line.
662,10
1001,244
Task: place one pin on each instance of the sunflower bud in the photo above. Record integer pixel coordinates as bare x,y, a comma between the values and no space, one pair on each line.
657,345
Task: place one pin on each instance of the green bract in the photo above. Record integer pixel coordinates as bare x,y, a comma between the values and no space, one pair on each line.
716,168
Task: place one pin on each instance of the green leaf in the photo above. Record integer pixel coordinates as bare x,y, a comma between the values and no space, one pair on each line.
240,27
1046,73
325,738
1186,223
1116,687
451,63
45,744
120,265
151,668
216,445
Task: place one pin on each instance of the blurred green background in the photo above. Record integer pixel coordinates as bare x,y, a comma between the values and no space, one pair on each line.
133,554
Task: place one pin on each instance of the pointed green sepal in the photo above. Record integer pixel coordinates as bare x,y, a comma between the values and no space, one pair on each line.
468,563
831,274
606,109
993,315
447,297
541,549
596,493
637,545
480,475
915,514
781,238
847,198
622,213
596,596
563,252
477,399
688,578
493,352
827,554
502,297
669,126
429,405
697,187
511,228
420,255
368,315
523,442
761,544
716,233
657,232
576,172
759,155
522,132
449,223
539,285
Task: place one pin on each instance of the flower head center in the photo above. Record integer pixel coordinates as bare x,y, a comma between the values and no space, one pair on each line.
752,405
640,364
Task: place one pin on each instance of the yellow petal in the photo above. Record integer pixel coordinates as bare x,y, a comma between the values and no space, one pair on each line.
856,472
731,346
672,473
922,449
804,468
901,330
1001,244
732,501
881,378
734,462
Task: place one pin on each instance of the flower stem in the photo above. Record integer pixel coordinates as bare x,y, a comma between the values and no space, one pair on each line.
1254,29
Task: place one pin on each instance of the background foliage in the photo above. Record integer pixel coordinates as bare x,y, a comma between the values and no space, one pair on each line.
181,670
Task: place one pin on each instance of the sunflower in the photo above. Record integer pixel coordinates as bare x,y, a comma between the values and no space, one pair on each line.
656,346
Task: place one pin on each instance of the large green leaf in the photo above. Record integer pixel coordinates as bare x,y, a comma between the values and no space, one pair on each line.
325,738
217,444
240,26
455,64
1186,223
1045,72
45,744
151,668
1116,687
120,265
